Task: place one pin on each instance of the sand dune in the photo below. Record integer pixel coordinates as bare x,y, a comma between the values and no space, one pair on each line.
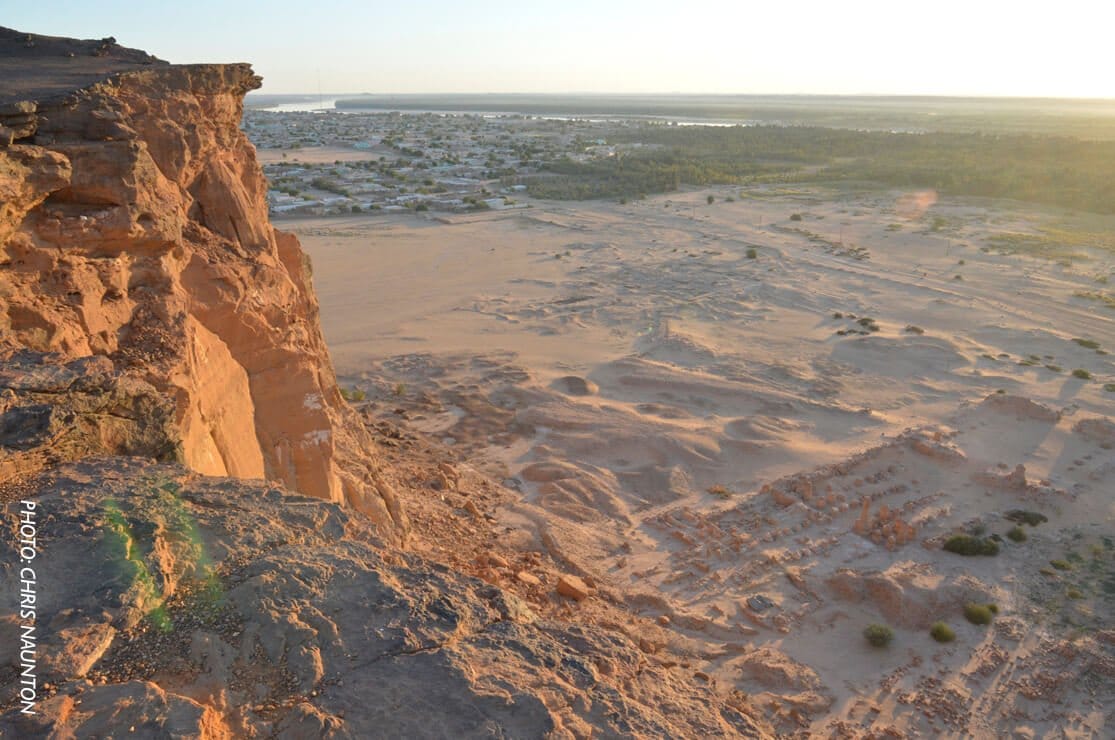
766,450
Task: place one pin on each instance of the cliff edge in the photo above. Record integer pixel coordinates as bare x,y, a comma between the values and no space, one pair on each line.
133,227
213,540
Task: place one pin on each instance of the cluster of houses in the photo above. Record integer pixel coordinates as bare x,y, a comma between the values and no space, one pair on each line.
397,162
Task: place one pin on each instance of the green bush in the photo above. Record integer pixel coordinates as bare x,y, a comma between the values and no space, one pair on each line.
795,217
966,544
353,394
879,635
978,613
1061,564
752,253
1017,534
1082,374
941,632
1022,516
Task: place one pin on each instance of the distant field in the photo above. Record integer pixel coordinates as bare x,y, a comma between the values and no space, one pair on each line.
1053,170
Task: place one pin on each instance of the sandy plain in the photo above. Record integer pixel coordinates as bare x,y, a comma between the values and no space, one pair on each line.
758,429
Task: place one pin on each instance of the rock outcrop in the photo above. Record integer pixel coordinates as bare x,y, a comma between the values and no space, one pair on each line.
133,226
239,610
218,543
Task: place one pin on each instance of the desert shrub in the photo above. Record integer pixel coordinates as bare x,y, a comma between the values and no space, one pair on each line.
993,608
911,329
1082,374
837,315
1022,516
719,490
1074,593
353,394
752,253
978,613
941,632
1109,387
879,635
711,199
1089,343
1017,534
795,217
966,544
1061,564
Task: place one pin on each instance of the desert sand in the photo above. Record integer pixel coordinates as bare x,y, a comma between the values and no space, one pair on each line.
759,430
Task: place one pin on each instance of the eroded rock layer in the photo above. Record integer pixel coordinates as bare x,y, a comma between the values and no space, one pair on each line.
133,226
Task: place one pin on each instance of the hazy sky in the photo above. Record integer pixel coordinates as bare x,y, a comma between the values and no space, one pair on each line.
961,47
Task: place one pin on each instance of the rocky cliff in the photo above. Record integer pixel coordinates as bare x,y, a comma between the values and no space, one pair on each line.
216,541
133,227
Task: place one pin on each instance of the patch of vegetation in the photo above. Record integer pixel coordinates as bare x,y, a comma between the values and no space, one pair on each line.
911,329
941,632
353,394
795,217
400,389
1074,593
837,315
968,545
1022,516
1081,373
1055,170
878,635
1106,299
1017,534
1089,343
1054,368
1060,564
978,613
752,253
1109,387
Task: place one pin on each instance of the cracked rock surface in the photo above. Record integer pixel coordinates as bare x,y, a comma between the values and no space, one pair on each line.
235,608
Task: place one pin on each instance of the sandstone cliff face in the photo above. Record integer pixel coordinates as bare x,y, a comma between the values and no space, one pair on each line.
133,226
159,343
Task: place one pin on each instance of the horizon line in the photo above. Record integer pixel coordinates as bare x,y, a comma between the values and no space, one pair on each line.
944,96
